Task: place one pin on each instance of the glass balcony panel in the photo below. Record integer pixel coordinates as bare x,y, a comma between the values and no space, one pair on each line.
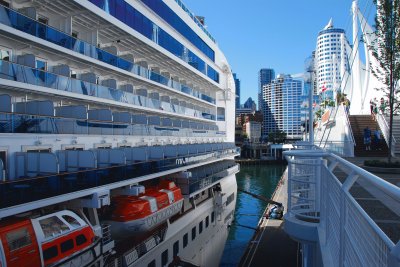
30,26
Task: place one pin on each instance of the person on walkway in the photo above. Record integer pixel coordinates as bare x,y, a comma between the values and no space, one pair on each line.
367,138
382,106
373,106
377,139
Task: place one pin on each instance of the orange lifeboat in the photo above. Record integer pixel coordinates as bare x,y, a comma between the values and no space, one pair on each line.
144,209
60,238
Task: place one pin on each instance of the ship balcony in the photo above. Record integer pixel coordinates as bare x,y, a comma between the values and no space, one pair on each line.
205,176
27,25
41,117
24,74
51,178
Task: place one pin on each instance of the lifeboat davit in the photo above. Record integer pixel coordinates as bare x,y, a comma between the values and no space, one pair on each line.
58,239
141,210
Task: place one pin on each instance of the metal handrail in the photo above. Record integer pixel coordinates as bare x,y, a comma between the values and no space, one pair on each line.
383,124
336,225
349,125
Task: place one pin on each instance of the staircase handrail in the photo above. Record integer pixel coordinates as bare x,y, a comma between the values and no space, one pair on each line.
383,125
349,125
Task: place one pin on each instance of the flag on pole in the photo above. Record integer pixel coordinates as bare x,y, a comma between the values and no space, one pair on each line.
324,88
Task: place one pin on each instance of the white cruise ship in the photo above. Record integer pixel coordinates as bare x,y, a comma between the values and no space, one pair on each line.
115,147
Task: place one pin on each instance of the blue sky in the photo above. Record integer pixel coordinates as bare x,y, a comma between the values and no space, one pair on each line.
255,34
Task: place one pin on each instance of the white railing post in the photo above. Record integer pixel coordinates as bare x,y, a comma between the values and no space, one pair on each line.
394,256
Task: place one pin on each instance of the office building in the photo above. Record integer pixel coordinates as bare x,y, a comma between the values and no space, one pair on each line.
250,104
237,85
282,101
265,76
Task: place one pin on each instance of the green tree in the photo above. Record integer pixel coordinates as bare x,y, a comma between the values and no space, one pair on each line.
278,136
385,48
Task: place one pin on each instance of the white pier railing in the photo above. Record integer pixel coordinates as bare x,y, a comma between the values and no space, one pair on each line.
341,214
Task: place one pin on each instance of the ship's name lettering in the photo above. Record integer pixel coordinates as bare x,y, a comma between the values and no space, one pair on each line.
187,160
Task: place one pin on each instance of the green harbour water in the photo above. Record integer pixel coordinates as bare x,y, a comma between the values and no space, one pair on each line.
258,179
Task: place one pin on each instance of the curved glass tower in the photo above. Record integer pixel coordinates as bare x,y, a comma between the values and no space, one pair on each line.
331,59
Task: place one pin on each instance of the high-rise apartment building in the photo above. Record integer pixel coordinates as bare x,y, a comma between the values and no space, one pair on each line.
237,85
282,99
331,60
265,76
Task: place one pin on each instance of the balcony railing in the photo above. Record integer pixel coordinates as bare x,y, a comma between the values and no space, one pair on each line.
24,74
25,123
24,190
354,214
23,23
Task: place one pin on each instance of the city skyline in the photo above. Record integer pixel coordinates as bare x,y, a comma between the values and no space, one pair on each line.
272,36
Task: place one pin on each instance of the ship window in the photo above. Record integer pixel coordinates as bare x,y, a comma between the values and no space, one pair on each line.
50,253
53,226
72,74
152,264
40,150
5,54
41,64
71,220
230,199
200,227
212,217
43,20
185,240
193,233
3,158
207,221
176,248
67,245
75,34
80,240
18,239
164,258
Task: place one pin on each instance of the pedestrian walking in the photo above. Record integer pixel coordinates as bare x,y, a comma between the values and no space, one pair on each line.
367,138
377,139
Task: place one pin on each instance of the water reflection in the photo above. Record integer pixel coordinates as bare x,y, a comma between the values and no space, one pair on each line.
262,180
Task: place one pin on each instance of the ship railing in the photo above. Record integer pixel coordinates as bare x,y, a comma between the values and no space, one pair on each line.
106,232
203,177
28,25
356,213
30,123
25,74
25,190
139,250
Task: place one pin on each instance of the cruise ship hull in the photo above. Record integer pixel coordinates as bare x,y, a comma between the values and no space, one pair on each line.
98,97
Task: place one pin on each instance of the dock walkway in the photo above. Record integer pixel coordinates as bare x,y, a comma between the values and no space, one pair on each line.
270,245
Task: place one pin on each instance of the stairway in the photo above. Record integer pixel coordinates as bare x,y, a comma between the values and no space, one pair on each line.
358,124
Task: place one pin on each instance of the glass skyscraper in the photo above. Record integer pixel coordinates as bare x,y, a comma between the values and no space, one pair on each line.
282,99
265,76
237,85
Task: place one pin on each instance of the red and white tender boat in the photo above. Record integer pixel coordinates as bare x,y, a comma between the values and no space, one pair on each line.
57,239
142,209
